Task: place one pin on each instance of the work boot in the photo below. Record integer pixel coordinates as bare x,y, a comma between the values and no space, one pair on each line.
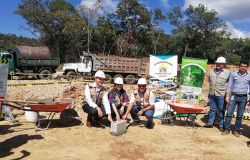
236,133
221,129
208,126
150,125
226,132
135,123
88,124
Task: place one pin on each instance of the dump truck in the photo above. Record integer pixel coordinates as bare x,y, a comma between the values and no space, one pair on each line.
128,68
24,60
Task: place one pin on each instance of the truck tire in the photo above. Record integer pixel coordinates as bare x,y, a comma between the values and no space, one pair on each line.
108,78
130,79
45,74
71,75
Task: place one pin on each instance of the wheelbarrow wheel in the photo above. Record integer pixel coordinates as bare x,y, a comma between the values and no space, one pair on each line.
69,117
168,118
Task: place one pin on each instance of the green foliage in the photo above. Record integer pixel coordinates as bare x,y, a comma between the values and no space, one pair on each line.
192,75
11,40
57,23
133,30
197,31
233,59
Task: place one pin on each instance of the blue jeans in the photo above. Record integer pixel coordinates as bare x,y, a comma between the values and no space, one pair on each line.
216,105
241,102
149,114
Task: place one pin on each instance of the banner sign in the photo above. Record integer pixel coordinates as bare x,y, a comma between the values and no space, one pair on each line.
3,79
163,74
192,76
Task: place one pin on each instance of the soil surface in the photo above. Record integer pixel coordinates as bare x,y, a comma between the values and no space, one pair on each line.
23,141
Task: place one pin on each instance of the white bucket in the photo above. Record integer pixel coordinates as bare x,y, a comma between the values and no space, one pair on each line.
30,115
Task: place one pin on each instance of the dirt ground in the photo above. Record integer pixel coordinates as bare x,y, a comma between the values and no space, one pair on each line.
22,140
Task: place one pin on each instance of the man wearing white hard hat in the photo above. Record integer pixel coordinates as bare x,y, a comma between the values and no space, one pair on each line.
96,103
218,80
118,99
143,101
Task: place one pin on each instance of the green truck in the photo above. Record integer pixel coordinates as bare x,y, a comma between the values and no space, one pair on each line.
27,60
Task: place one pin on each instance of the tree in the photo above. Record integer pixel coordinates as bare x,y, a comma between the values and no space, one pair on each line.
134,25
198,31
104,37
57,23
90,15
158,18
10,41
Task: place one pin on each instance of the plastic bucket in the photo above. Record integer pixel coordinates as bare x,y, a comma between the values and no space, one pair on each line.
30,116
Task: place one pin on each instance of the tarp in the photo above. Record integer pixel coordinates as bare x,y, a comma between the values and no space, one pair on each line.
3,79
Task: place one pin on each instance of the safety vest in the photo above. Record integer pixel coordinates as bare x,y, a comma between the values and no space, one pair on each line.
97,96
142,100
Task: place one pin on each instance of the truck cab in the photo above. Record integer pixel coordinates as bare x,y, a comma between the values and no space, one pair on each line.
7,57
84,67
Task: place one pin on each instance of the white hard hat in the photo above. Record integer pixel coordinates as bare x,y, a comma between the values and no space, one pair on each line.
142,81
220,60
100,74
118,80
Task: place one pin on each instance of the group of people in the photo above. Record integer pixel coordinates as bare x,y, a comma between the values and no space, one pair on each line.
116,104
228,90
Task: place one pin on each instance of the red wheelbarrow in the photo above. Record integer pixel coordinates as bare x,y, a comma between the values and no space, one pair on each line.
187,110
68,116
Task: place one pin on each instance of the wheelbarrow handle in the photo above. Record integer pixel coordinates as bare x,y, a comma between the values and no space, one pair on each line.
18,101
19,108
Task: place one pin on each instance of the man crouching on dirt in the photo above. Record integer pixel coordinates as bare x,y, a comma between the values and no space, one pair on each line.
96,103
143,104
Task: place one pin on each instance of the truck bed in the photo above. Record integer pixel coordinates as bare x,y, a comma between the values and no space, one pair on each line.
121,64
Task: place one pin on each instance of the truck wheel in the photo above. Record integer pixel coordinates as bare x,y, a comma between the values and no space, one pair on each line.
45,74
130,79
71,75
108,78
117,75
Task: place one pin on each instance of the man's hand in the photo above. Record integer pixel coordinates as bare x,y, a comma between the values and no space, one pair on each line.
100,114
125,116
110,118
227,99
118,117
140,112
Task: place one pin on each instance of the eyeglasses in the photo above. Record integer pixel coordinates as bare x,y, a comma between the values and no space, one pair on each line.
119,85
141,86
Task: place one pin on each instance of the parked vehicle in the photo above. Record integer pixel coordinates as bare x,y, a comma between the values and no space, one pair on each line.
34,60
129,68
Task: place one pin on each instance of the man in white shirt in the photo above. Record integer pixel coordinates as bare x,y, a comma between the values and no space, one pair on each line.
96,103
142,101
